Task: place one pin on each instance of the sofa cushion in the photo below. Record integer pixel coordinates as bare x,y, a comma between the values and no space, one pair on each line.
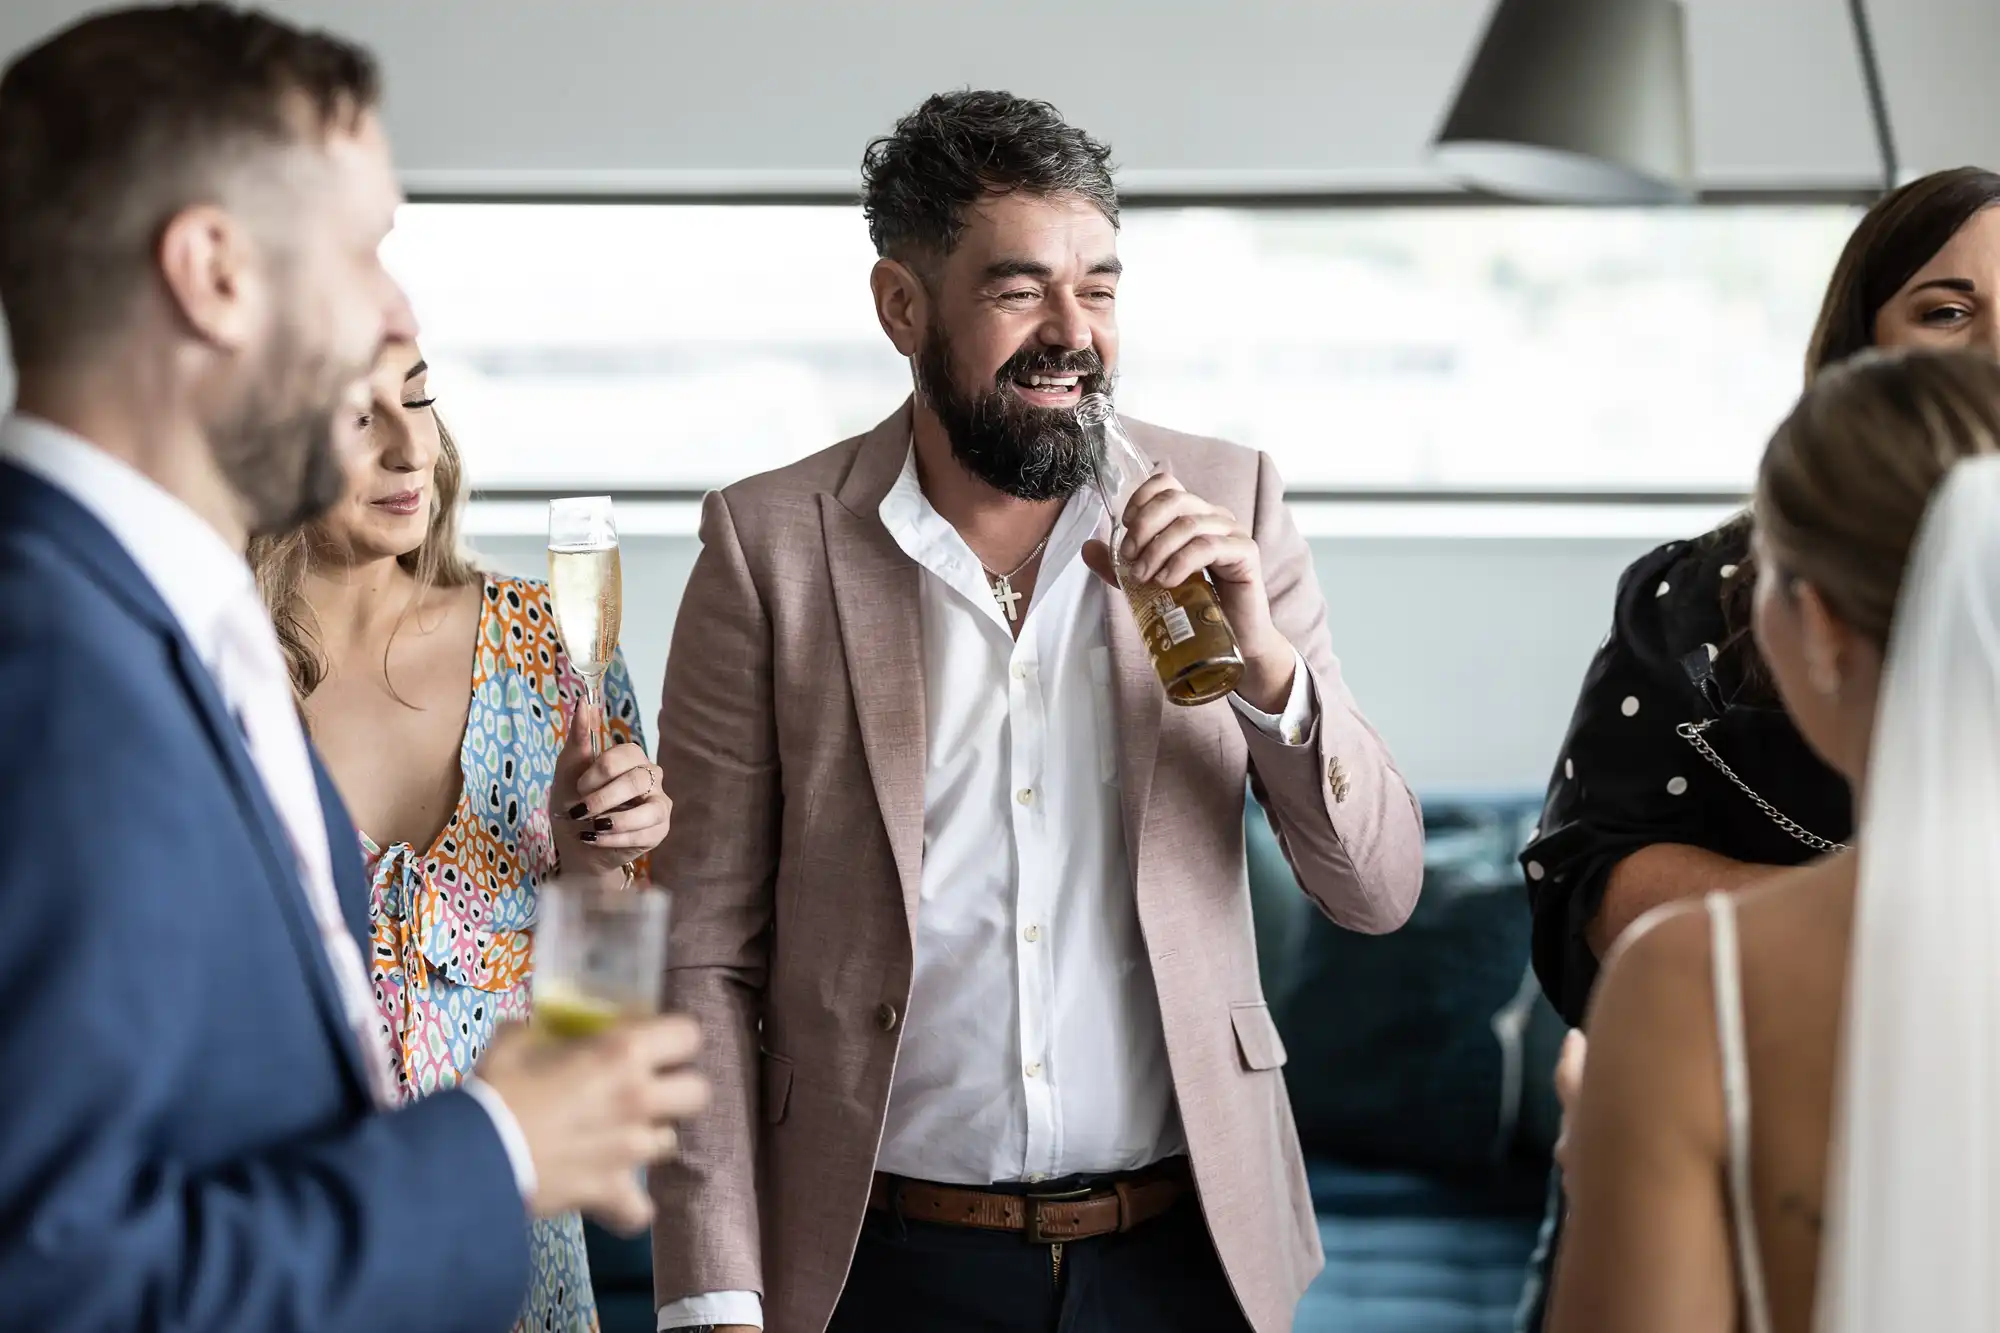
1429,1048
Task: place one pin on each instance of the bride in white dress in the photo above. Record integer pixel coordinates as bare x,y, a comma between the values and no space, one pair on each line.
1790,1119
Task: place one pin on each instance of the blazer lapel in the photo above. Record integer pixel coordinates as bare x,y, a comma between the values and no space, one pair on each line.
274,849
1140,703
876,589
30,501
350,876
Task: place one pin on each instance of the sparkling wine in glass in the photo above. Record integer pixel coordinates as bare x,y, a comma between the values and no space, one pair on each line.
585,584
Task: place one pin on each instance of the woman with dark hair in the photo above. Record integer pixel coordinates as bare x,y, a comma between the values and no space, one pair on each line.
1681,772
447,711
1787,1115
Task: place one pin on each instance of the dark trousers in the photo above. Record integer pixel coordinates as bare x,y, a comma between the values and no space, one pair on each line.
1534,1307
918,1277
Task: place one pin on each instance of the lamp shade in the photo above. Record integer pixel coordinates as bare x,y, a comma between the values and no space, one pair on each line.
1575,101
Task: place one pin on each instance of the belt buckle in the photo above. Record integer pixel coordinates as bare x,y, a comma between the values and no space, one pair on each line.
1032,1214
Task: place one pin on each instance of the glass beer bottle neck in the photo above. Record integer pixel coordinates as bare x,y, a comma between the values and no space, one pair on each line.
1125,471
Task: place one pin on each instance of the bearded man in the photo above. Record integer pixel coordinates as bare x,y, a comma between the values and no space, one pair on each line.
200,1128
960,900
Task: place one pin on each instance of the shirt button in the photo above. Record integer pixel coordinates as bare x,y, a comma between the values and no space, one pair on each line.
886,1017
1034,1069
1031,934
1026,796
1020,671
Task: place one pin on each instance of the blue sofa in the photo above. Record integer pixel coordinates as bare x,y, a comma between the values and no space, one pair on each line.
1419,1075
1420,1078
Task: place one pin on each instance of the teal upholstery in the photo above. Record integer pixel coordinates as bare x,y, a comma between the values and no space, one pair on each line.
1420,1078
1443,1015
621,1273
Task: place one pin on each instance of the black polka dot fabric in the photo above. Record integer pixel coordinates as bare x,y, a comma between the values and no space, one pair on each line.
1625,778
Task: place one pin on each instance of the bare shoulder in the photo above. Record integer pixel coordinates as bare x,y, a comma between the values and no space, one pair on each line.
1814,902
1652,1020
1647,1245
1797,931
1665,957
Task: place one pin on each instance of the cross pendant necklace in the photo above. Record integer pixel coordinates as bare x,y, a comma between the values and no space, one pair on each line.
1003,587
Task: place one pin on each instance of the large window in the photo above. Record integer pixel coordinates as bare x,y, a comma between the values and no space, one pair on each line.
671,348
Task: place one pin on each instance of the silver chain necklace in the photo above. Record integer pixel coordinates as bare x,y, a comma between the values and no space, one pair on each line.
1691,732
1003,589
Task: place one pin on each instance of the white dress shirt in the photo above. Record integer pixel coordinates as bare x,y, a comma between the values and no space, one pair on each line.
210,591
1034,1046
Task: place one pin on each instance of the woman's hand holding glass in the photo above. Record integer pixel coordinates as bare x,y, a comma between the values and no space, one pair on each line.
606,810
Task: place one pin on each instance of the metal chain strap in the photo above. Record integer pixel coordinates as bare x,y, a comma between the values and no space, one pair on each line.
1691,732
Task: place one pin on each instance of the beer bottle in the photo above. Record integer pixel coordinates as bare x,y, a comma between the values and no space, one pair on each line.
1193,648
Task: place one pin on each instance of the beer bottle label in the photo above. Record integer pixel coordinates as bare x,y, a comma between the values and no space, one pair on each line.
1162,623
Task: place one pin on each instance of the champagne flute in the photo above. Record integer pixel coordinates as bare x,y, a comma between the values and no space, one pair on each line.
586,586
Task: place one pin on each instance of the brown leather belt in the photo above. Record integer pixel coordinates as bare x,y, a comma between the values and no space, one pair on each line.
1044,1219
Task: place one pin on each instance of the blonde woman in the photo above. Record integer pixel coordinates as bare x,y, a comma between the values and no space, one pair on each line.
446,709
1787,1116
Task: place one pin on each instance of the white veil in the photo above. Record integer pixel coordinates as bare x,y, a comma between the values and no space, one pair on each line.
1913,1224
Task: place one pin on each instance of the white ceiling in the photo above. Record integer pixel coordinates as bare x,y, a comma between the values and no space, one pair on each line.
531,96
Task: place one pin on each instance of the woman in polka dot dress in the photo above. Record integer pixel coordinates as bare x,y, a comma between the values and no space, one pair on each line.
448,714
1638,813
1681,772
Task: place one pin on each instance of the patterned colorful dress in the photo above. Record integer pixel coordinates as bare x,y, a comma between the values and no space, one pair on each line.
452,926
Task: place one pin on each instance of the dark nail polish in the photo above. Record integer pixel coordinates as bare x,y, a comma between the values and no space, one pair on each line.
579,810
587,837
602,824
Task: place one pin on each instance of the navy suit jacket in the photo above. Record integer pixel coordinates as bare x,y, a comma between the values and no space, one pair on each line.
186,1136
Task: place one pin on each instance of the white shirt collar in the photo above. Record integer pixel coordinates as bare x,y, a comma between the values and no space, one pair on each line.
929,539
195,572
906,511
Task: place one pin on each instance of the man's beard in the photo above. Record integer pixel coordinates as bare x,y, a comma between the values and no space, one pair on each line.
1031,453
277,449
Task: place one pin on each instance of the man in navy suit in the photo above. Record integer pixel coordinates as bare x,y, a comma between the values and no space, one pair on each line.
194,1132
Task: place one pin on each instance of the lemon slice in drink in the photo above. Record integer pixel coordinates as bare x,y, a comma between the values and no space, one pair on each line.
565,1013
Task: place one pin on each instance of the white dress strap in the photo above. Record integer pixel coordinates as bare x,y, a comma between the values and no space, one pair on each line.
1736,1106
